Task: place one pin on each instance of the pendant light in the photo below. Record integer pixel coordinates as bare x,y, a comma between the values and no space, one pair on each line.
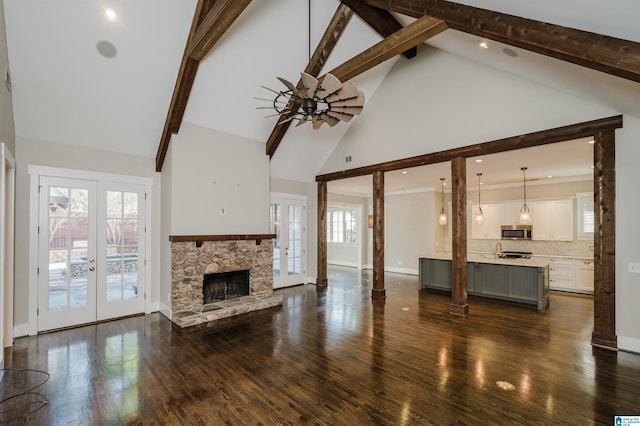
478,216
525,214
442,219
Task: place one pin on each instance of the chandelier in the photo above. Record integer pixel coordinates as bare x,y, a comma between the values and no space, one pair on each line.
320,101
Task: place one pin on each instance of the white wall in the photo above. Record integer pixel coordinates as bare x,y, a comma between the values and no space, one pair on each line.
440,101
165,232
410,230
51,154
7,128
214,171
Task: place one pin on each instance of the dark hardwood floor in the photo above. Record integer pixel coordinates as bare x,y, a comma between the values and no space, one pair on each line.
334,358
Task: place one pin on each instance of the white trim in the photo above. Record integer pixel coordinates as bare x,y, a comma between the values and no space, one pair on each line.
406,271
88,175
7,251
282,195
341,263
153,307
629,344
35,172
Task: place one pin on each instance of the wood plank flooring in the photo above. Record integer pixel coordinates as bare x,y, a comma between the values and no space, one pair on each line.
334,357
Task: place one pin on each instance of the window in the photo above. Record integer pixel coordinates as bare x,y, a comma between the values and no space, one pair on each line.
342,225
586,215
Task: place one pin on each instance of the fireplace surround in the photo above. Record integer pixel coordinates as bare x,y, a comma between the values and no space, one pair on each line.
195,257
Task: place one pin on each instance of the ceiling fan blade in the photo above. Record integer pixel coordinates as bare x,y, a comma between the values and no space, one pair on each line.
331,121
289,85
329,85
347,91
346,110
342,116
309,82
302,121
316,121
358,101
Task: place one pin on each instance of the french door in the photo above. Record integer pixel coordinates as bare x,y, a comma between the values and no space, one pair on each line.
91,251
288,222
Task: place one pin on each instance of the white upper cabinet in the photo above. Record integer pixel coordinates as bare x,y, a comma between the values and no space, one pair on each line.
490,229
552,220
511,213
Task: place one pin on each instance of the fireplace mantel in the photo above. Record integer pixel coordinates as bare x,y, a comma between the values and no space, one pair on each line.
187,238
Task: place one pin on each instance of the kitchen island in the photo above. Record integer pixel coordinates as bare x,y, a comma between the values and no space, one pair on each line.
518,280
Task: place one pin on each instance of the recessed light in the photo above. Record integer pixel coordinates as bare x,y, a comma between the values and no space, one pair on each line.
591,142
592,167
483,44
404,172
549,176
479,160
110,14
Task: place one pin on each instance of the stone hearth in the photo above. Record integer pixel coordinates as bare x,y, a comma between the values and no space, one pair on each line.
191,260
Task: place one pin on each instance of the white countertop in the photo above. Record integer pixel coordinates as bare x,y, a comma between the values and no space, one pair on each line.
490,258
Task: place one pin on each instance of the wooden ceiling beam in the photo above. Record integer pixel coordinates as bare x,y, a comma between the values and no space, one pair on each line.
528,140
328,41
210,20
380,20
599,52
403,39
398,42
214,25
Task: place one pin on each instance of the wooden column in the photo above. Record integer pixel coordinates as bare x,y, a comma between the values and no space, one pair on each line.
378,291
321,279
459,304
604,274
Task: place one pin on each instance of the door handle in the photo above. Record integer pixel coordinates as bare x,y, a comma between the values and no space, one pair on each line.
286,251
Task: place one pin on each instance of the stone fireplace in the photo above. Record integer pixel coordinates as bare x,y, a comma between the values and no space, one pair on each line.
207,270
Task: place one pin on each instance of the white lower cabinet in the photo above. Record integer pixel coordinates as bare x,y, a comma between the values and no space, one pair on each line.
584,275
574,275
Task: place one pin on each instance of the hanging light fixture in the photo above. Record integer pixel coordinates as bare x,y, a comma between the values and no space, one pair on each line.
478,216
442,219
525,213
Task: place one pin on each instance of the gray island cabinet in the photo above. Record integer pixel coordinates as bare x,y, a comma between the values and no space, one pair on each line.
518,280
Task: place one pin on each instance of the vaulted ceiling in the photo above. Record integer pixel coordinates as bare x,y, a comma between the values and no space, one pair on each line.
81,79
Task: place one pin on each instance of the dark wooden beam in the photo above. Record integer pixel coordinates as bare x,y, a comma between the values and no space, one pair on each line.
328,41
321,279
459,305
380,20
203,27
214,25
222,237
403,39
599,52
378,291
559,134
604,274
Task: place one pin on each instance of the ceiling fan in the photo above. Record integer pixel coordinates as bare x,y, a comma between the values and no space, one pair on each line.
324,100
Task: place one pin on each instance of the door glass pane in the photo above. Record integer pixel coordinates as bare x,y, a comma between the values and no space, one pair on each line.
68,227
274,223
122,246
295,240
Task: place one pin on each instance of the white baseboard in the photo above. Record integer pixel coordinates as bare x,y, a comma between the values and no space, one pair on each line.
407,271
20,330
341,263
629,344
153,307
164,310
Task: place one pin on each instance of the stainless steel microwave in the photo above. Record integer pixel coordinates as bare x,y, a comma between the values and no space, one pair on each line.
516,232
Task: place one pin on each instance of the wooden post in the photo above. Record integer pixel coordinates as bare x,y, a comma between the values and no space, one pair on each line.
459,304
321,279
604,273
378,291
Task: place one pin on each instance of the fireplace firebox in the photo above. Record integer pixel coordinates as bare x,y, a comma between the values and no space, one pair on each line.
225,285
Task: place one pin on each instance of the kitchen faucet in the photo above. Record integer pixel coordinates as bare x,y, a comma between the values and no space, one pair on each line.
496,250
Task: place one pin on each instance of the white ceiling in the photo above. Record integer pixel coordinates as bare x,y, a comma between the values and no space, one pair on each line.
65,91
